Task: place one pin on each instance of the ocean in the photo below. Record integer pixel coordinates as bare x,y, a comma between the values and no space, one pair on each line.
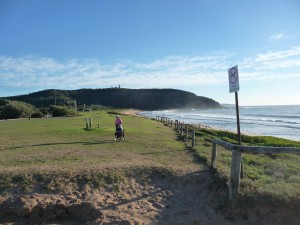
277,121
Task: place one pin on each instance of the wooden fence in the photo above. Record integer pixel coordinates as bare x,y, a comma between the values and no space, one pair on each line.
89,123
182,128
236,159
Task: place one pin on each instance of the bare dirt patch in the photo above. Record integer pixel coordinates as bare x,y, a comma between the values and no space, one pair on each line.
158,197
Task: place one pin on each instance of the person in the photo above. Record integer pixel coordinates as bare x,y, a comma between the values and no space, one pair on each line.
119,127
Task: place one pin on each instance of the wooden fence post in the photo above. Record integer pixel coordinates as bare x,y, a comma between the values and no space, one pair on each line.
186,132
235,177
181,128
213,154
90,122
86,123
193,139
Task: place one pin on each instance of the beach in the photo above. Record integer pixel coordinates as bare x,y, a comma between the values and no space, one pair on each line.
133,112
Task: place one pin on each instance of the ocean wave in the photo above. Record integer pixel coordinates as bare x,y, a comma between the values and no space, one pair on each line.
257,120
197,117
272,116
228,118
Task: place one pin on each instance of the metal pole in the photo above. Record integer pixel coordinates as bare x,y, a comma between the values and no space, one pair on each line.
238,128
237,117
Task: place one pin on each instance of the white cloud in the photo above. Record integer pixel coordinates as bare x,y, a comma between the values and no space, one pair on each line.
39,73
279,36
274,55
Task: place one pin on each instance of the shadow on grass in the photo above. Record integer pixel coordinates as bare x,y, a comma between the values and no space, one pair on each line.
62,143
197,158
159,152
220,181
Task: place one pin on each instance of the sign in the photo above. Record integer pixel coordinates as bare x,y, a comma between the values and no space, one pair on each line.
233,76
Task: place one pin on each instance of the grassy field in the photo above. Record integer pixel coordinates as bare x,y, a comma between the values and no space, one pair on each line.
63,147
51,151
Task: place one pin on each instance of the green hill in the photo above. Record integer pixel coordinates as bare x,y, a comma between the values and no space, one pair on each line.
145,99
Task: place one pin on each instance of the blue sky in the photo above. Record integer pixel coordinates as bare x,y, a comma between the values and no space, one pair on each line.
188,45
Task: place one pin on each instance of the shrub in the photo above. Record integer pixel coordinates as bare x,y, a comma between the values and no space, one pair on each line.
15,109
37,115
61,111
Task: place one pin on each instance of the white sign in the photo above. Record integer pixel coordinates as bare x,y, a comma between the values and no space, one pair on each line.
233,76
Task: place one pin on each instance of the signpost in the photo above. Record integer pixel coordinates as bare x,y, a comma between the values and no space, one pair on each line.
234,86
237,168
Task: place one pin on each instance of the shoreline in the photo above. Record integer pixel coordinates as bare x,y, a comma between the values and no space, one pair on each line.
132,112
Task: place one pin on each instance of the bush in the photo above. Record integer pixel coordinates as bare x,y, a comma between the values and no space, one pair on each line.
15,109
3,102
37,115
61,111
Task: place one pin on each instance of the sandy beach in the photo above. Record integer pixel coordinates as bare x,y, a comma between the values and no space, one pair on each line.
133,112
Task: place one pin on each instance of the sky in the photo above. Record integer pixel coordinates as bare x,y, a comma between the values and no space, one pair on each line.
180,44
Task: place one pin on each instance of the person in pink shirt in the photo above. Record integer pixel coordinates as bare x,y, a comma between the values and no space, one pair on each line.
119,127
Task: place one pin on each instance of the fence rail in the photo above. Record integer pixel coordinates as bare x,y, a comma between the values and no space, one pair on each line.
257,149
237,151
266,149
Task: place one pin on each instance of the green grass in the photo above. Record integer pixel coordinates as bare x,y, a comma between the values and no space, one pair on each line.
65,141
65,145
267,177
